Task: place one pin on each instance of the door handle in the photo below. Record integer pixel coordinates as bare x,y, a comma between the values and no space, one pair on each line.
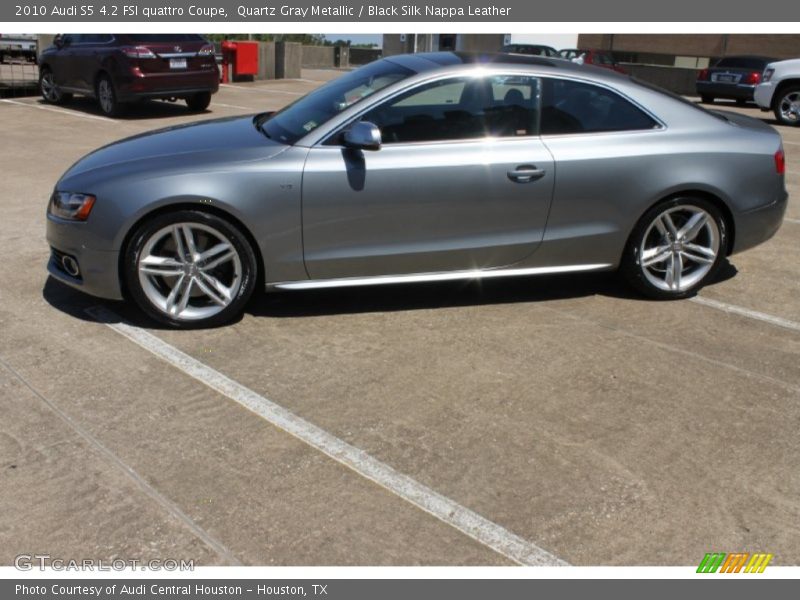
525,174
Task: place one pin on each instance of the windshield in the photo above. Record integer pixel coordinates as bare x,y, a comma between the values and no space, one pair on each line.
309,112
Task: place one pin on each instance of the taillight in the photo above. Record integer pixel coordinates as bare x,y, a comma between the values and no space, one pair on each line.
780,162
768,72
137,52
702,75
207,50
753,78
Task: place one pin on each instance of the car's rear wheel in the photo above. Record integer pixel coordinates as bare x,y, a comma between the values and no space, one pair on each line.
707,99
676,248
198,102
107,97
190,269
787,106
51,93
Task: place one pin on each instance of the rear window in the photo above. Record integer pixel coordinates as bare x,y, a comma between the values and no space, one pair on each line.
570,107
744,62
163,38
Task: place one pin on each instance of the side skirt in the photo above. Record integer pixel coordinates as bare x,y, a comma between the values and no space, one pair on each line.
311,284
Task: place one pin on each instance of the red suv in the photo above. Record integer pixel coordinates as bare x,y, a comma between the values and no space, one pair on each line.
120,68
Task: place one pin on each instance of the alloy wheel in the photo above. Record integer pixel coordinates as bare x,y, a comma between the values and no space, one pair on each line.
49,89
679,248
105,95
790,107
189,271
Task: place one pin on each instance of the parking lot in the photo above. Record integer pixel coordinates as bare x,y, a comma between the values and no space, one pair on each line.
533,420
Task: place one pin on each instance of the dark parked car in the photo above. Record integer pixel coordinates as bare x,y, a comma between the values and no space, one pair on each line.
599,58
732,77
529,49
120,68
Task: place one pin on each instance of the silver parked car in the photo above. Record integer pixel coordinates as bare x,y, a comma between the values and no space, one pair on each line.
416,168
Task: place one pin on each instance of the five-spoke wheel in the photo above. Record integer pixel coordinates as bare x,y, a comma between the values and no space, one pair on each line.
190,268
676,247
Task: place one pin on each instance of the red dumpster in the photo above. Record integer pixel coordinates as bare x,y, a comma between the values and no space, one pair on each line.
239,59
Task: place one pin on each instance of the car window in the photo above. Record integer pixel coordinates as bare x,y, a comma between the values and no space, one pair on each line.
312,110
570,107
601,58
742,62
95,38
162,38
460,109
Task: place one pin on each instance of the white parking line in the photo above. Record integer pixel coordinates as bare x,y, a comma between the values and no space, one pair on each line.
260,90
58,110
112,458
450,512
791,143
795,221
746,312
234,106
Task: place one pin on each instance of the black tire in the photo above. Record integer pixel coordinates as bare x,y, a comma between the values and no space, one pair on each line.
779,99
635,275
57,96
199,102
707,99
231,234
108,103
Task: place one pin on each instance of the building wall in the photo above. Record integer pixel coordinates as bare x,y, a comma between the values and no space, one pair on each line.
318,57
700,45
558,41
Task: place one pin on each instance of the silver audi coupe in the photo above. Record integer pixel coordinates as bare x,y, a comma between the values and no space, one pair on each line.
414,168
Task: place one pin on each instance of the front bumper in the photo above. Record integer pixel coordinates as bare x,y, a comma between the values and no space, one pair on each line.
763,95
760,224
725,90
99,269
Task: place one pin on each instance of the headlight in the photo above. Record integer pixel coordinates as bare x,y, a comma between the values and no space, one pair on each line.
767,75
71,205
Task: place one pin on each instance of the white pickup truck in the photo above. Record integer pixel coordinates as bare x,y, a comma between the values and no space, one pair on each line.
779,91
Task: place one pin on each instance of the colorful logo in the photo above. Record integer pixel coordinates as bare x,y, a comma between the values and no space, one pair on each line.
734,563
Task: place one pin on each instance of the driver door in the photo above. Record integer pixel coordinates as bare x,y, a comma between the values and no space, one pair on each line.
461,182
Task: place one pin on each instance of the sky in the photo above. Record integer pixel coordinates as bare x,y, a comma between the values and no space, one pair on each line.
356,38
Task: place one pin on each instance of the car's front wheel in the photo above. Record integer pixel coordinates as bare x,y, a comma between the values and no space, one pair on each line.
676,248
51,93
787,106
190,269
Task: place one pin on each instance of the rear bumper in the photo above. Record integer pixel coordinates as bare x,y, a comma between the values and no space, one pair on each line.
99,269
725,90
760,224
166,85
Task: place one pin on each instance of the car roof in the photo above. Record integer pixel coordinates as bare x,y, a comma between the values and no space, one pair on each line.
429,61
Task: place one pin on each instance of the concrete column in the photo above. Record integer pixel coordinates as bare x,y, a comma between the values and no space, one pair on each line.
288,60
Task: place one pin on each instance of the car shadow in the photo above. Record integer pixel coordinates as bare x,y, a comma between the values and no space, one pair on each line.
371,299
134,111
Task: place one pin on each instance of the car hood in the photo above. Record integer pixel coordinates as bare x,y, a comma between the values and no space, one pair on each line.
229,139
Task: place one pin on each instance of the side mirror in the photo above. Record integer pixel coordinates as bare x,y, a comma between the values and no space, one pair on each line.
363,136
